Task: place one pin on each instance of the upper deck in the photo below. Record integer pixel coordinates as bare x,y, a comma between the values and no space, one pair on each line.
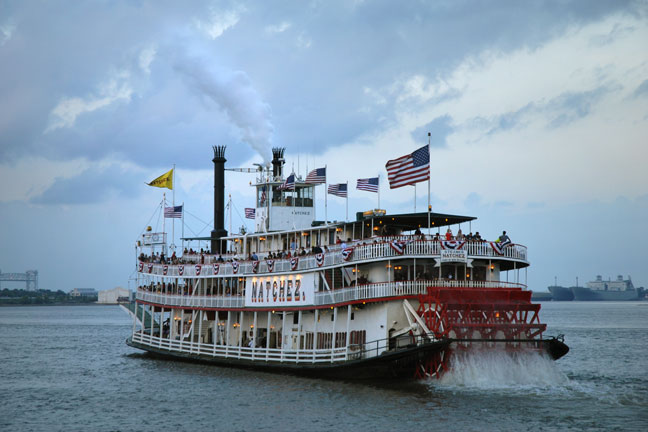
379,249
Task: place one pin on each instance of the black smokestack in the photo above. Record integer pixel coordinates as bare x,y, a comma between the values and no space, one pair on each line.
219,199
277,162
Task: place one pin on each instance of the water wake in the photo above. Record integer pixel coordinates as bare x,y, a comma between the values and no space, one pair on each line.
487,369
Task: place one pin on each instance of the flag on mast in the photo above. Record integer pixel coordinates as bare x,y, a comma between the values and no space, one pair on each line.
339,189
368,184
174,212
164,181
409,169
317,176
289,183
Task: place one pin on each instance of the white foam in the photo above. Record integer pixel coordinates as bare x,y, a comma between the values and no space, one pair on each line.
492,369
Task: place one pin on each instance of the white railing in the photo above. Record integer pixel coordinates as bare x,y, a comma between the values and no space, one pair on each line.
361,253
354,293
328,355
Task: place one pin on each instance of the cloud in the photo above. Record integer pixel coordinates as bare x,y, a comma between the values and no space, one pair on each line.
65,113
642,89
278,28
219,21
91,186
6,31
439,129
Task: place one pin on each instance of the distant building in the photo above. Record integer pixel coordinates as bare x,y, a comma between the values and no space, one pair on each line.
114,296
83,292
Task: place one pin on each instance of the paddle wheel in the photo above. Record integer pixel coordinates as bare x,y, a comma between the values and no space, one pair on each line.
477,318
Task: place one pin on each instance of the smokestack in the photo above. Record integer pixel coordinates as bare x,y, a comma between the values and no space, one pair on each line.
219,199
277,162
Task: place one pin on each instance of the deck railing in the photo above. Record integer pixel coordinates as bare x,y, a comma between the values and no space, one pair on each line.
322,298
361,253
277,355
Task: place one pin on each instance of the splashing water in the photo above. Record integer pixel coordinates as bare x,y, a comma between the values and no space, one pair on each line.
492,369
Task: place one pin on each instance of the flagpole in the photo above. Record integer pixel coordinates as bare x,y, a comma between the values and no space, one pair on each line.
429,206
173,205
414,197
183,212
325,196
378,191
164,219
347,202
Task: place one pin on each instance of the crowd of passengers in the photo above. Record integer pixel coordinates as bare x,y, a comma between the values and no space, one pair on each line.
191,256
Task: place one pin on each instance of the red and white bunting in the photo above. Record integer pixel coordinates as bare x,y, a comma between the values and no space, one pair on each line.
398,246
319,259
346,253
181,269
141,266
165,269
499,247
216,269
293,263
255,266
198,268
235,266
452,244
270,264
150,268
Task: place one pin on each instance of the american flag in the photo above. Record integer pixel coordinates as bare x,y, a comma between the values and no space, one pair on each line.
317,176
289,184
249,213
409,169
368,184
339,189
173,212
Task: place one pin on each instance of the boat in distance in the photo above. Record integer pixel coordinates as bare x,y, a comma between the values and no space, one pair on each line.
561,293
382,295
600,290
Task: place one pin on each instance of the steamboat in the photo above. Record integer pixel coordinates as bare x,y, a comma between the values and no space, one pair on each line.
384,295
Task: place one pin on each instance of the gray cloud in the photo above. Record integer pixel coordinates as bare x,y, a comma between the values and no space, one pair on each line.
92,186
439,129
314,91
642,89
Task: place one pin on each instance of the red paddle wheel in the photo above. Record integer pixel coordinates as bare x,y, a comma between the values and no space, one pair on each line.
477,318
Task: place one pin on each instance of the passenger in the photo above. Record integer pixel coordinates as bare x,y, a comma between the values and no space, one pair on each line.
477,236
460,235
504,239
448,235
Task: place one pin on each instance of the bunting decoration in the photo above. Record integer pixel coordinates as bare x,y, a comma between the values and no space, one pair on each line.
141,266
346,253
398,246
198,268
216,268
319,259
499,247
255,266
270,264
235,266
165,269
452,244
181,269
293,263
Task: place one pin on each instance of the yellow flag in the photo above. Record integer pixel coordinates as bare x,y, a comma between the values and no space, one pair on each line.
164,181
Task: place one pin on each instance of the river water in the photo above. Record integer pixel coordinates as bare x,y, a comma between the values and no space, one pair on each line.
68,368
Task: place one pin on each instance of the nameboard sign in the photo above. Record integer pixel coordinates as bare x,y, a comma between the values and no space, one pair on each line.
454,256
288,290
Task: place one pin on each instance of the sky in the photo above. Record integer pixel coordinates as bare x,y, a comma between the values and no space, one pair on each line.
537,113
